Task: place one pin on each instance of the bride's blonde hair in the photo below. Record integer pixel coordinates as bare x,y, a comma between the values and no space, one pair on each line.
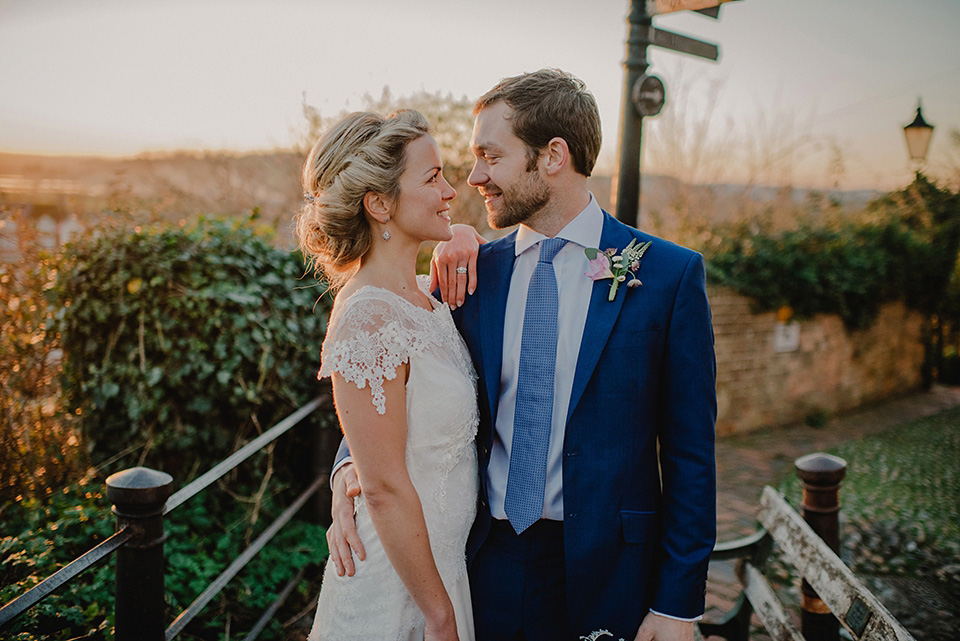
363,152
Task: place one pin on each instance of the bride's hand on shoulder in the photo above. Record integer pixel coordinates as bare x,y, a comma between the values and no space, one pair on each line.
459,252
342,538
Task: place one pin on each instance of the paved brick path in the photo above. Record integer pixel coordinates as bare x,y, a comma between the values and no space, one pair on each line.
747,463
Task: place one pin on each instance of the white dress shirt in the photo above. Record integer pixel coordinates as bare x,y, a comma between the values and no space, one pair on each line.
574,289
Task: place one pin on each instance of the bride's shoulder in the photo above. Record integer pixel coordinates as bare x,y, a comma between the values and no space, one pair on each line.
369,302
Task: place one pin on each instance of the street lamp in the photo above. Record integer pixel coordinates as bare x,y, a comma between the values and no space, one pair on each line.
918,134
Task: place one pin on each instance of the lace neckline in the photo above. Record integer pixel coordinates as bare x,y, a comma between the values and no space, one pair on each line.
437,305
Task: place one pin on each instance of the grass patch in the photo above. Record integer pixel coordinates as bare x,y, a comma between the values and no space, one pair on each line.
900,501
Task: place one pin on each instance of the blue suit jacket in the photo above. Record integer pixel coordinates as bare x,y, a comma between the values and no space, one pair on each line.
639,521
634,538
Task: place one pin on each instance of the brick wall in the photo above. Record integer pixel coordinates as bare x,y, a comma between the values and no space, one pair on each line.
830,370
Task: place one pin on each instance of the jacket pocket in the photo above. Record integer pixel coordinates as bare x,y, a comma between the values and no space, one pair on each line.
640,527
635,338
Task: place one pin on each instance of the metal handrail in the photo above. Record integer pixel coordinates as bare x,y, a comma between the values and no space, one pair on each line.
46,587
238,564
203,481
270,612
135,530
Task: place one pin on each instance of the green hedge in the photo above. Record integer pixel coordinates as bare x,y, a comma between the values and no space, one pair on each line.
178,345
904,248
184,340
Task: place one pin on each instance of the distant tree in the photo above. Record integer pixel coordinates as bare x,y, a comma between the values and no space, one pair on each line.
953,160
722,170
452,122
932,213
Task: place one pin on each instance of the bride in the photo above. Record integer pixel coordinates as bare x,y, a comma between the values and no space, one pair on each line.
403,383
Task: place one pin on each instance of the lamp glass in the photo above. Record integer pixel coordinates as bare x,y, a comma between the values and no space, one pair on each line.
918,141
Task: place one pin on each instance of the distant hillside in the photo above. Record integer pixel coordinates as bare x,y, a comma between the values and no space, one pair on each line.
167,185
174,185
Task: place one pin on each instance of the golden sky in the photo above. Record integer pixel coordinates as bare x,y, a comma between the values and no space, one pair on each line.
826,84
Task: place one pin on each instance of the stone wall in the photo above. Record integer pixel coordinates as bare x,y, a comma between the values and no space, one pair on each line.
762,381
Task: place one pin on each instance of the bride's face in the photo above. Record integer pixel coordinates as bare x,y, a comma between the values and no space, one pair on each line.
422,211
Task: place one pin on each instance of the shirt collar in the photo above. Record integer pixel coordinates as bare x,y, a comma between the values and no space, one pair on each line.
584,230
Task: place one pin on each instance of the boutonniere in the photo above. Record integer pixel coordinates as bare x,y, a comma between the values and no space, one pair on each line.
596,634
607,264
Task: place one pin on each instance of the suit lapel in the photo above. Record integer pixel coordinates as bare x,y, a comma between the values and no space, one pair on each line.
601,314
497,268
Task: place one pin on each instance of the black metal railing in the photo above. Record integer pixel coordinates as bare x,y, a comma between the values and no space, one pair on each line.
63,576
141,498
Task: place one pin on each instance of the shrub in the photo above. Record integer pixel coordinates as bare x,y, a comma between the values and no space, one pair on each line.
184,340
204,536
38,447
178,345
44,535
904,249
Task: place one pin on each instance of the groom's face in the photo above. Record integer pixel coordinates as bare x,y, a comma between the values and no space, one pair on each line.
511,191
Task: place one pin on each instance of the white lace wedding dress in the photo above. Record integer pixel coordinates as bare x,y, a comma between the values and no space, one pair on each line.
368,336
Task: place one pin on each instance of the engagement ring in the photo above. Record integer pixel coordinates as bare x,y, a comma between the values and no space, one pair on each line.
461,270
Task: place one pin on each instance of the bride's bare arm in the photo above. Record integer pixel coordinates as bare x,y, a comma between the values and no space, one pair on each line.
378,447
460,251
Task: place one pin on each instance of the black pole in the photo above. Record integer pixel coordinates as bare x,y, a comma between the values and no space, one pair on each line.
318,439
626,187
138,496
821,475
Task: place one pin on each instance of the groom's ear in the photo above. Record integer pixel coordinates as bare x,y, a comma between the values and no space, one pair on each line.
377,205
555,156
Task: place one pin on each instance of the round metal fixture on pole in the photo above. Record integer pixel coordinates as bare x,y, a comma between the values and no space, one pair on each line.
648,95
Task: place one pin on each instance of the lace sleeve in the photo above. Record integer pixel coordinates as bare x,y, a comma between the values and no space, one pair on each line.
365,344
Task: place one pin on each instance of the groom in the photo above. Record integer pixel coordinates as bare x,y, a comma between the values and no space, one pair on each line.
596,443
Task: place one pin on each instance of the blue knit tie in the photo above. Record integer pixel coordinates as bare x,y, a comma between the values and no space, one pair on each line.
534,410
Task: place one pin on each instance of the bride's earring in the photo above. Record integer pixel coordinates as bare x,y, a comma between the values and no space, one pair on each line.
386,230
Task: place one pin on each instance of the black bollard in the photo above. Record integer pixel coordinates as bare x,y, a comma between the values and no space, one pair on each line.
821,475
138,496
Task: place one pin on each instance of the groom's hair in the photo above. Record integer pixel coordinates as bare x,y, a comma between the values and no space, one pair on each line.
547,104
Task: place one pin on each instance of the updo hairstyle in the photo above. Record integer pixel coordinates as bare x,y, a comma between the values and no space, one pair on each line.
363,152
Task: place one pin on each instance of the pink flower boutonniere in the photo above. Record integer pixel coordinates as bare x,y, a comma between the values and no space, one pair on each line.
607,264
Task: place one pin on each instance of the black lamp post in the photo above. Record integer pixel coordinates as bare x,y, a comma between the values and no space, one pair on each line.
626,184
918,134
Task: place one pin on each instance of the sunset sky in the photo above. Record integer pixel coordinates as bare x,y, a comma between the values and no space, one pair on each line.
832,81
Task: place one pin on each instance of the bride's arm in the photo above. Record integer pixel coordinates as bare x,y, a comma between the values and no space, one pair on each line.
378,446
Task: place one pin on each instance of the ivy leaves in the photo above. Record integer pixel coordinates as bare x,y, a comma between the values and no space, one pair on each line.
184,339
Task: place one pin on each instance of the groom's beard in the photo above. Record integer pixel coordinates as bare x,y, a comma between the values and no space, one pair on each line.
526,198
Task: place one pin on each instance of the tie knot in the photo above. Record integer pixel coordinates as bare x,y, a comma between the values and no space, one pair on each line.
549,247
